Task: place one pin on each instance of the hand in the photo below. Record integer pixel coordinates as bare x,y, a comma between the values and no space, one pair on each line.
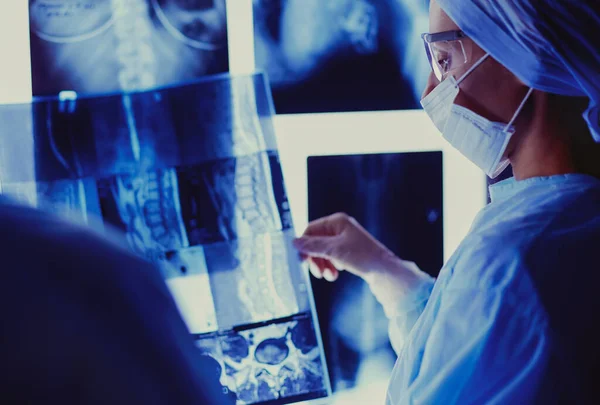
338,242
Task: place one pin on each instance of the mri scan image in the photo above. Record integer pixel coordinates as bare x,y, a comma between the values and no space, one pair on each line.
249,283
190,178
146,209
217,201
102,46
275,363
229,199
210,357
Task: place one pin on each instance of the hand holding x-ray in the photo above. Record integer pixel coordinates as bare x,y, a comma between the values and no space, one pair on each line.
338,242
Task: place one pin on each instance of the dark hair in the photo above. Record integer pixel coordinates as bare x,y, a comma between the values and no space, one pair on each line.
586,151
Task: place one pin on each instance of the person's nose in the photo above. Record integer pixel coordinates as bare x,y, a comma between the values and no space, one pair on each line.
432,83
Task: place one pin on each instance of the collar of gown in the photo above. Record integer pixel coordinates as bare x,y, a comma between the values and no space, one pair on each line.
510,187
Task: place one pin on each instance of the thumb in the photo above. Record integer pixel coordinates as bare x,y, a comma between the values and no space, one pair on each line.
315,246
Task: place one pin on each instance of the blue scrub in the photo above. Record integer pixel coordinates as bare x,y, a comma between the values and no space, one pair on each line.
514,315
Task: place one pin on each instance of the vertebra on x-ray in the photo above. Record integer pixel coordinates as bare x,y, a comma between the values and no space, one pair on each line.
224,200
256,279
275,361
230,199
146,208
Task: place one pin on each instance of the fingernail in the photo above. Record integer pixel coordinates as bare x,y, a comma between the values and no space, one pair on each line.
312,269
328,275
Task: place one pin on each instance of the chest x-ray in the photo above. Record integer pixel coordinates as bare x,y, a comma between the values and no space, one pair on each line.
397,197
99,46
191,177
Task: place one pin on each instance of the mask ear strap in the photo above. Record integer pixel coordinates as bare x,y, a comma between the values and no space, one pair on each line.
472,68
516,114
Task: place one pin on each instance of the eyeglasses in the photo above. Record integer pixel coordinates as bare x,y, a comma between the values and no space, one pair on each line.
446,51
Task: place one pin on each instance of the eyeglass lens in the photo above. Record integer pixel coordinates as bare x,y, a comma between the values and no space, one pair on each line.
446,56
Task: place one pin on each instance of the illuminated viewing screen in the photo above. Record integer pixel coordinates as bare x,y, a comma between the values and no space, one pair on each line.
193,174
191,177
397,197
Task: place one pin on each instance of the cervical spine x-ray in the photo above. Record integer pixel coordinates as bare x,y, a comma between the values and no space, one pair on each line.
191,177
99,46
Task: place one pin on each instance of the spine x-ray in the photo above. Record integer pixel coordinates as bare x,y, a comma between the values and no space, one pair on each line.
99,46
191,177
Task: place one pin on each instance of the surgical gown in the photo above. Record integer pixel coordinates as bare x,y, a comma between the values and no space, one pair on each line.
513,316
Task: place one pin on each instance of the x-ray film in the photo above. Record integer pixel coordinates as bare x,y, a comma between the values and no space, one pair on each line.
341,55
191,178
186,274
76,200
224,200
102,46
275,363
256,279
146,208
398,198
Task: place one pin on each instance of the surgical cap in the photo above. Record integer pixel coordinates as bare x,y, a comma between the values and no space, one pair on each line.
551,45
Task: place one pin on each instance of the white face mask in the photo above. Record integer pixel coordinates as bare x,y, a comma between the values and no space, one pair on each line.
480,140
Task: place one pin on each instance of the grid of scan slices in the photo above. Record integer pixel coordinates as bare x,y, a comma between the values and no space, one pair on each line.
192,178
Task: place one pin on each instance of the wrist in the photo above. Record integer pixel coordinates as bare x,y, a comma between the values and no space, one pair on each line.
398,283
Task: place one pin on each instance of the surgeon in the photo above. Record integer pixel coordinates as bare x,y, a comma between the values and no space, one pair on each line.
514,314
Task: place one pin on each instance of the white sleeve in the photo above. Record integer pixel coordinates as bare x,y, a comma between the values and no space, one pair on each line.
403,291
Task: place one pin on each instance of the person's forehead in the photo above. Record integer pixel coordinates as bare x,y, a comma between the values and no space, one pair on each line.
439,20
